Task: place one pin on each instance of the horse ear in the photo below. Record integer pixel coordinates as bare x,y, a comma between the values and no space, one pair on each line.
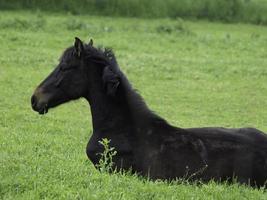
91,42
78,45
111,81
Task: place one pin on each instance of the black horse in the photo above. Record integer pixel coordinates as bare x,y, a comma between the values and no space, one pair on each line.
145,142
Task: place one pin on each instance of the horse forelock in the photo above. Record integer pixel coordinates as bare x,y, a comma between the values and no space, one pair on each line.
99,55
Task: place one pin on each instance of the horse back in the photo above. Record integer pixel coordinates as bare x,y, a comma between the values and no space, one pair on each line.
242,136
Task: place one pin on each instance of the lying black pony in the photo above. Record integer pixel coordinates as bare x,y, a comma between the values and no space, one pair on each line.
145,142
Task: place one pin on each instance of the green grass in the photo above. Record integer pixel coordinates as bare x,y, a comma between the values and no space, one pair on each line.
192,73
248,11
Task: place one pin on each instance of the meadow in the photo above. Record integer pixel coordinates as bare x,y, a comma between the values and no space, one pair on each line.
194,74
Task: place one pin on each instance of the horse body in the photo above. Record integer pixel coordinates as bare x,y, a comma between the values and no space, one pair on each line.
146,143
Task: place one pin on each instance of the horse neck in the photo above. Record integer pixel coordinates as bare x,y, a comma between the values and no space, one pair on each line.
106,115
109,115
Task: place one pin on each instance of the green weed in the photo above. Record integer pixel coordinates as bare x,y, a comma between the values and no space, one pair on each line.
106,158
21,24
178,27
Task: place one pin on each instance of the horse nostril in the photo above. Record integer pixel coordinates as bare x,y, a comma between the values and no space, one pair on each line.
33,100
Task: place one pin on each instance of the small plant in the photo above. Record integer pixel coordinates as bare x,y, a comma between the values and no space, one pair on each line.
179,26
106,157
74,24
25,24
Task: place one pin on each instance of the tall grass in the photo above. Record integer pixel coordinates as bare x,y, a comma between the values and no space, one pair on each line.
252,11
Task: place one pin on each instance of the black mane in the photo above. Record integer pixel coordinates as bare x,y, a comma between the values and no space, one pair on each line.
101,55
136,104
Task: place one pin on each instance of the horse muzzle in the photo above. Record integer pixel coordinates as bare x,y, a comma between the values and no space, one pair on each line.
39,103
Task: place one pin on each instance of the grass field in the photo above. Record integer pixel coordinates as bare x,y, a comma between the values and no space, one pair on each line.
192,73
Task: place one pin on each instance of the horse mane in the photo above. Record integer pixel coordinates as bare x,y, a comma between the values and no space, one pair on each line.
136,104
101,55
